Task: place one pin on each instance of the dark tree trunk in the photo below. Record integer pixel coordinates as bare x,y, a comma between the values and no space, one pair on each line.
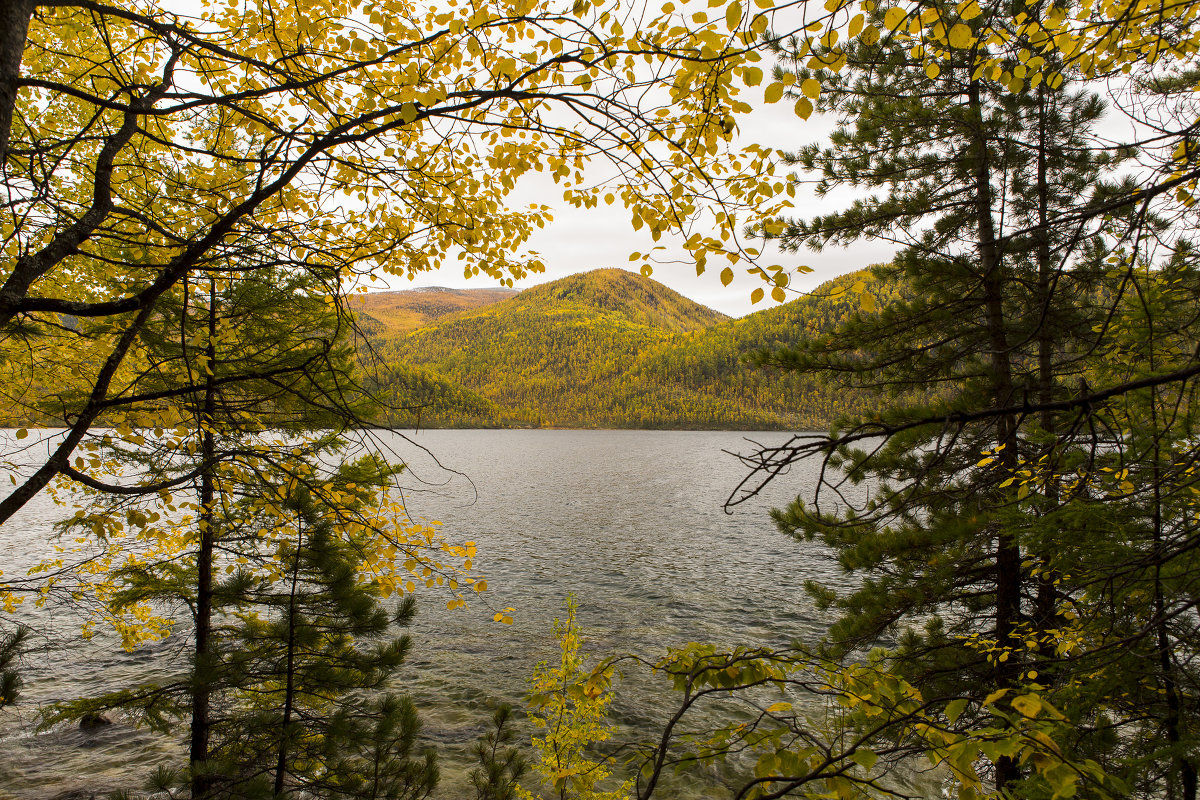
1008,554
290,690
1044,604
201,780
14,28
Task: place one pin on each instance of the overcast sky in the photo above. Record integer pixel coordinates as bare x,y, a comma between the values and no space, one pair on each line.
581,240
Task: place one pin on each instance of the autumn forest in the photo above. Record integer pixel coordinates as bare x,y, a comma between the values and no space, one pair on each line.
987,440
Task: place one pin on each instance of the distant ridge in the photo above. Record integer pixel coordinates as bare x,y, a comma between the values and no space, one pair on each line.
603,349
609,348
400,311
628,294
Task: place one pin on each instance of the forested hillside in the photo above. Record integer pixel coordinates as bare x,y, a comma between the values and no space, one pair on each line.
605,349
386,313
610,348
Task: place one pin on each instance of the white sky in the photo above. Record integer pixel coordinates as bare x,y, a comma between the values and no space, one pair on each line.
580,240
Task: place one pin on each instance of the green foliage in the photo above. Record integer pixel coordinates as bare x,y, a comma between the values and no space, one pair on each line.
11,646
300,654
1021,551
803,725
296,652
1126,563
165,780
501,767
368,752
283,562
569,705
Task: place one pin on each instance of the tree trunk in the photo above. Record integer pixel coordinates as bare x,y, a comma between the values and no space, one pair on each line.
290,689
201,781
1007,554
1044,603
14,29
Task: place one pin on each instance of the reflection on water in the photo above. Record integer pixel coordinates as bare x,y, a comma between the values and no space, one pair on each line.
629,521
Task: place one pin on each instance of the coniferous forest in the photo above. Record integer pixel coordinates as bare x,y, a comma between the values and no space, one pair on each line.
606,348
1004,499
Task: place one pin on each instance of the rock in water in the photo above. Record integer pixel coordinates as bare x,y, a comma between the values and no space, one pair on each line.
93,721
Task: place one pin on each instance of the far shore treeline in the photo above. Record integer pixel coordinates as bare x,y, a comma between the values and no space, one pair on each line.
1004,505
603,349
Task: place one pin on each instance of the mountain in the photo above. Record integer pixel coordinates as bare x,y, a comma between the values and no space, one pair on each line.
396,312
610,348
622,293
607,348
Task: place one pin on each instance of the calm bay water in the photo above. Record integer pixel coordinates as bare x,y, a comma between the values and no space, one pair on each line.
629,521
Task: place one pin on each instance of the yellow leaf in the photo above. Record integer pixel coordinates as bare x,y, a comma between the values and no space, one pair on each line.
864,758
777,708
726,276
777,294
867,302
960,37
22,433
811,88
804,108
955,708
756,295
733,14
856,25
753,76
1028,704
773,93
933,70
894,18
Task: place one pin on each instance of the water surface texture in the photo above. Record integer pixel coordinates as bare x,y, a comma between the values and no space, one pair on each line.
631,522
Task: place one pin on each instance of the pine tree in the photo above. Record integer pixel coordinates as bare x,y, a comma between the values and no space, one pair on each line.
305,663
501,766
11,646
1127,566
248,349
967,177
281,561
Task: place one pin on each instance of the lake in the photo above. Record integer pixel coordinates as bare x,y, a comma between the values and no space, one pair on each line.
631,522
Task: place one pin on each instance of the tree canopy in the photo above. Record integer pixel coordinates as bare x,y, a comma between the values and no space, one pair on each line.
166,173
142,147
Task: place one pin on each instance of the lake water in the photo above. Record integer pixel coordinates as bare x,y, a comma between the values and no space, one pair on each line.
631,522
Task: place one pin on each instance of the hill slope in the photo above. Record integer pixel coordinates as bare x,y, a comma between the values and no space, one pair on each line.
610,348
391,313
